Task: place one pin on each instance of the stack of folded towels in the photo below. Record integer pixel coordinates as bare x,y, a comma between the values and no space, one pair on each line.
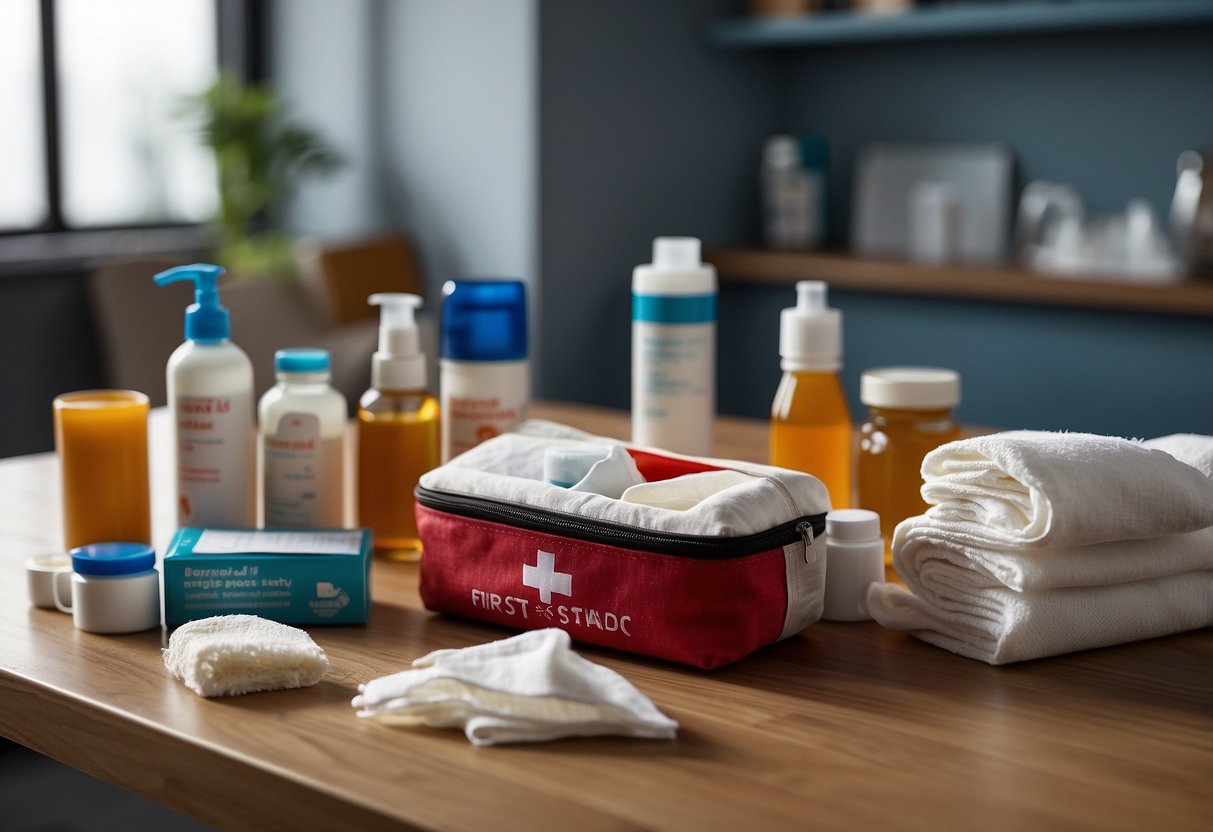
1038,544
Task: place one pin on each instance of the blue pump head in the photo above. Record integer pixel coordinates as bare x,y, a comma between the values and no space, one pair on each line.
205,319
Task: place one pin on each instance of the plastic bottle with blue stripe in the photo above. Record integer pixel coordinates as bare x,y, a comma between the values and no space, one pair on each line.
674,349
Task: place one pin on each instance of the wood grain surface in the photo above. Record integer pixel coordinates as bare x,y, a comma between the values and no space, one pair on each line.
843,726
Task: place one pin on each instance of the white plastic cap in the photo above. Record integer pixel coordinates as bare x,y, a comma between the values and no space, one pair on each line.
398,364
810,333
781,152
853,525
910,388
676,254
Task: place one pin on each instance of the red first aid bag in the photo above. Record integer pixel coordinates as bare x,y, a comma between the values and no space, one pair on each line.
706,586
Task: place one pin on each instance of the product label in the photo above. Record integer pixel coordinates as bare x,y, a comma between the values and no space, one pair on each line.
673,386
226,542
215,460
474,419
301,470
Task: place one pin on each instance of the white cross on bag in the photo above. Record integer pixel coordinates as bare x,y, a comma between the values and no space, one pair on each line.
544,577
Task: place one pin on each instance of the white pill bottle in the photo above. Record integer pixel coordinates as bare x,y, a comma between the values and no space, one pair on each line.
674,349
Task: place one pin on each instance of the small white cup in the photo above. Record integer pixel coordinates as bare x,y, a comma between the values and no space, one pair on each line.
42,573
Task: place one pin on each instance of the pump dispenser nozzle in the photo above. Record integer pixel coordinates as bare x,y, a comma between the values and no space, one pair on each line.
810,333
398,364
206,320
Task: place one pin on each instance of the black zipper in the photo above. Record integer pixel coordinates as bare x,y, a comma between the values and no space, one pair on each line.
617,534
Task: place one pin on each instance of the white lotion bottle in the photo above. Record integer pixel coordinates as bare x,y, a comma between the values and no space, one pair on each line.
210,397
674,349
484,371
303,444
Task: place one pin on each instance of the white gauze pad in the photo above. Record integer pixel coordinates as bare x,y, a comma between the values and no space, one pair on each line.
229,655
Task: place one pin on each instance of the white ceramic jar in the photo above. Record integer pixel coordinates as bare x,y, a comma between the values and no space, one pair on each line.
115,588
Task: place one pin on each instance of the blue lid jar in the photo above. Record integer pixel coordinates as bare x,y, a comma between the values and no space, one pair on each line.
484,320
113,558
301,360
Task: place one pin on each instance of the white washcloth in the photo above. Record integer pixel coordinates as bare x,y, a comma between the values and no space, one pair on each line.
528,688
1032,488
1003,606
232,654
1192,448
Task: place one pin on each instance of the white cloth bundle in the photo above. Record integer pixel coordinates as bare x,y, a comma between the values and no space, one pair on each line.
233,654
528,688
1028,554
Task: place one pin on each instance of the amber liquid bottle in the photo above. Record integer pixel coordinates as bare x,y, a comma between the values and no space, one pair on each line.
397,443
398,431
810,421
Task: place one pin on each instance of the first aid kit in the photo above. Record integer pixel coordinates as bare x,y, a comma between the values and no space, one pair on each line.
739,568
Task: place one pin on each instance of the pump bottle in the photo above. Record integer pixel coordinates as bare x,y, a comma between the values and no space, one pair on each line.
397,430
810,421
674,349
210,396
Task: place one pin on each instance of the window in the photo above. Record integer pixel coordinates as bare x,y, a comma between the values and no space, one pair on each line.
89,136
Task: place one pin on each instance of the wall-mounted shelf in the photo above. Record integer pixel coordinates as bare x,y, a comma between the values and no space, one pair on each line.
955,21
853,274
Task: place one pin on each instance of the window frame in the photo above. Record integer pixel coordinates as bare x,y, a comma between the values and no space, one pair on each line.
242,28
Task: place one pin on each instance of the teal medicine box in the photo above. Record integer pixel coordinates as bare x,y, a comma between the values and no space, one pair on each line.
312,576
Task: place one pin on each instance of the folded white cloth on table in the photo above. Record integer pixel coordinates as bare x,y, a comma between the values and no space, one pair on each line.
528,688
996,570
1003,606
1033,488
232,654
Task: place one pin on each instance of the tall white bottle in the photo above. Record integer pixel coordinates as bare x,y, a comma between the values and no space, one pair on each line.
303,444
674,349
210,396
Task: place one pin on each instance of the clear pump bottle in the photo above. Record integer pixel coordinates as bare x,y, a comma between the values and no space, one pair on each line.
810,420
398,431
303,444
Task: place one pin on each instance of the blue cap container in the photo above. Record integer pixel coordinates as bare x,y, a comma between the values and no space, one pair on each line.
484,320
119,558
301,360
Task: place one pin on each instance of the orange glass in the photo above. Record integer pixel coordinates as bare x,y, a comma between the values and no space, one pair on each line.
101,437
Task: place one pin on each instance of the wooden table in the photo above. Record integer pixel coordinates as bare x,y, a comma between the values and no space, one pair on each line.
844,726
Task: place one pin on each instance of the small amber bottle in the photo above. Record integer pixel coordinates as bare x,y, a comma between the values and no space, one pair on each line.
909,415
810,420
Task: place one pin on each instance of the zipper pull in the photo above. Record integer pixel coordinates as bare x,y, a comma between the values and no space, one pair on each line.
806,534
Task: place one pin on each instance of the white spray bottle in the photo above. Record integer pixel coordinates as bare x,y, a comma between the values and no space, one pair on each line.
210,395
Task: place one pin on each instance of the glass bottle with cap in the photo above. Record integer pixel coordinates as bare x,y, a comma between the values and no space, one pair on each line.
810,420
909,415
397,430
302,444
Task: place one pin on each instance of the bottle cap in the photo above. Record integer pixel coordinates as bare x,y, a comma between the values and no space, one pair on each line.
781,151
810,333
113,558
301,360
484,320
398,364
853,524
676,270
910,388
206,320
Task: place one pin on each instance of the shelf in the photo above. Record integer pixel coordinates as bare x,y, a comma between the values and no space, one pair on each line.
852,274
954,21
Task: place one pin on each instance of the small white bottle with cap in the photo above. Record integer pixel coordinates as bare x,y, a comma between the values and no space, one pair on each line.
810,420
303,444
674,349
854,561
398,423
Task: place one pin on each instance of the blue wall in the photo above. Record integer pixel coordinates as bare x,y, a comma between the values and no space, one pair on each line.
645,130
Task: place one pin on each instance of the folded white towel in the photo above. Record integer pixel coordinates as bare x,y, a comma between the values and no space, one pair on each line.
998,625
1192,448
528,688
232,654
1031,488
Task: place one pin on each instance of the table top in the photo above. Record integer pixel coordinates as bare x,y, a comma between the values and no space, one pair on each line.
844,725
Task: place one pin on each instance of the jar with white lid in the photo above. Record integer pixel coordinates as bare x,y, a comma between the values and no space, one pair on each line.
854,561
115,588
909,415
